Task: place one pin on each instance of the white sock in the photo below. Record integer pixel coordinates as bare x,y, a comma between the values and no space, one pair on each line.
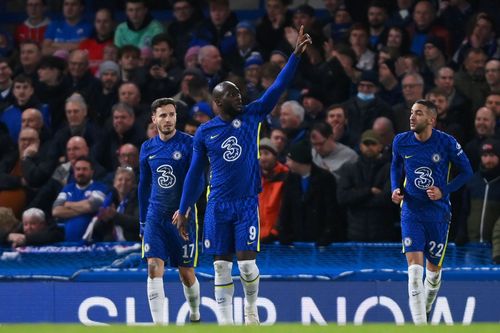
416,294
224,290
192,295
156,298
431,286
249,276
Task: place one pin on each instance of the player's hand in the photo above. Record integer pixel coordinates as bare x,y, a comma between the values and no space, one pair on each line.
434,193
181,221
397,196
303,40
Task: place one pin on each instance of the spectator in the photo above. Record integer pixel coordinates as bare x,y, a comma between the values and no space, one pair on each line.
273,175
458,103
359,41
64,174
35,230
279,141
312,101
445,121
164,75
326,153
129,57
292,122
480,35
470,79
78,124
479,218
455,17
396,42
33,118
190,127
413,90
402,14
377,19
338,29
218,28
80,77
364,189
124,130
253,76
68,33
390,88
492,73
101,36
211,65
120,220
184,95
309,209
424,25
484,125
129,93
191,57
107,96
187,18
493,103
434,58
25,98
30,55
246,47
336,117
365,107
15,188
33,28
201,112
271,27
383,128
79,200
140,27
6,96
53,88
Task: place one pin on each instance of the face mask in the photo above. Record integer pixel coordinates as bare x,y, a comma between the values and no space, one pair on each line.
365,97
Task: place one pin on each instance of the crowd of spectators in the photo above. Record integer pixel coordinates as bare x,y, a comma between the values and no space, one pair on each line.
75,96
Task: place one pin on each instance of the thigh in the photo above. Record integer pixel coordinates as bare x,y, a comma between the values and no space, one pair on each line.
154,241
247,228
218,229
413,235
183,253
436,241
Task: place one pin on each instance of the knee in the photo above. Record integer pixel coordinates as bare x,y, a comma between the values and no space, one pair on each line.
187,276
223,268
248,268
155,269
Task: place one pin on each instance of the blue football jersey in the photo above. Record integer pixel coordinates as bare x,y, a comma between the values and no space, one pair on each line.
232,149
163,168
427,164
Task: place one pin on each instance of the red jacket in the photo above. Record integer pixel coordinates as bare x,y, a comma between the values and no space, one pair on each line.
270,201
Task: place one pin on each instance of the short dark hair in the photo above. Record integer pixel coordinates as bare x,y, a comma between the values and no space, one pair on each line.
129,49
322,128
23,78
428,104
158,103
337,106
162,37
86,159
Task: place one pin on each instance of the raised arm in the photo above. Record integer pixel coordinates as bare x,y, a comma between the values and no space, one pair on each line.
272,95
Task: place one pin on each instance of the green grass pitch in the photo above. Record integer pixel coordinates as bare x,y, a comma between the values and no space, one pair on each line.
278,328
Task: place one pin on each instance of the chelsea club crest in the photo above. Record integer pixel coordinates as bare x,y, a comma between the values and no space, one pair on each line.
236,123
436,158
176,155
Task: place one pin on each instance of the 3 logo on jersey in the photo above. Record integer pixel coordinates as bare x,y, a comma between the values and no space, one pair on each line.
233,149
167,178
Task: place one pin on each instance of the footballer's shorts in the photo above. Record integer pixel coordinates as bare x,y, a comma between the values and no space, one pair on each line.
162,240
231,226
429,237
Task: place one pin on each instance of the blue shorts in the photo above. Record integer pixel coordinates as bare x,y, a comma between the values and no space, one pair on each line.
429,237
232,226
162,240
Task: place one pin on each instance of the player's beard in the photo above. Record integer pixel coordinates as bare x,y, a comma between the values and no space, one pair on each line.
419,128
166,130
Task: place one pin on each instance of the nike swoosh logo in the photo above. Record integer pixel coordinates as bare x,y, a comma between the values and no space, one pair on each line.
250,243
213,136
151,157
186,261
408,156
